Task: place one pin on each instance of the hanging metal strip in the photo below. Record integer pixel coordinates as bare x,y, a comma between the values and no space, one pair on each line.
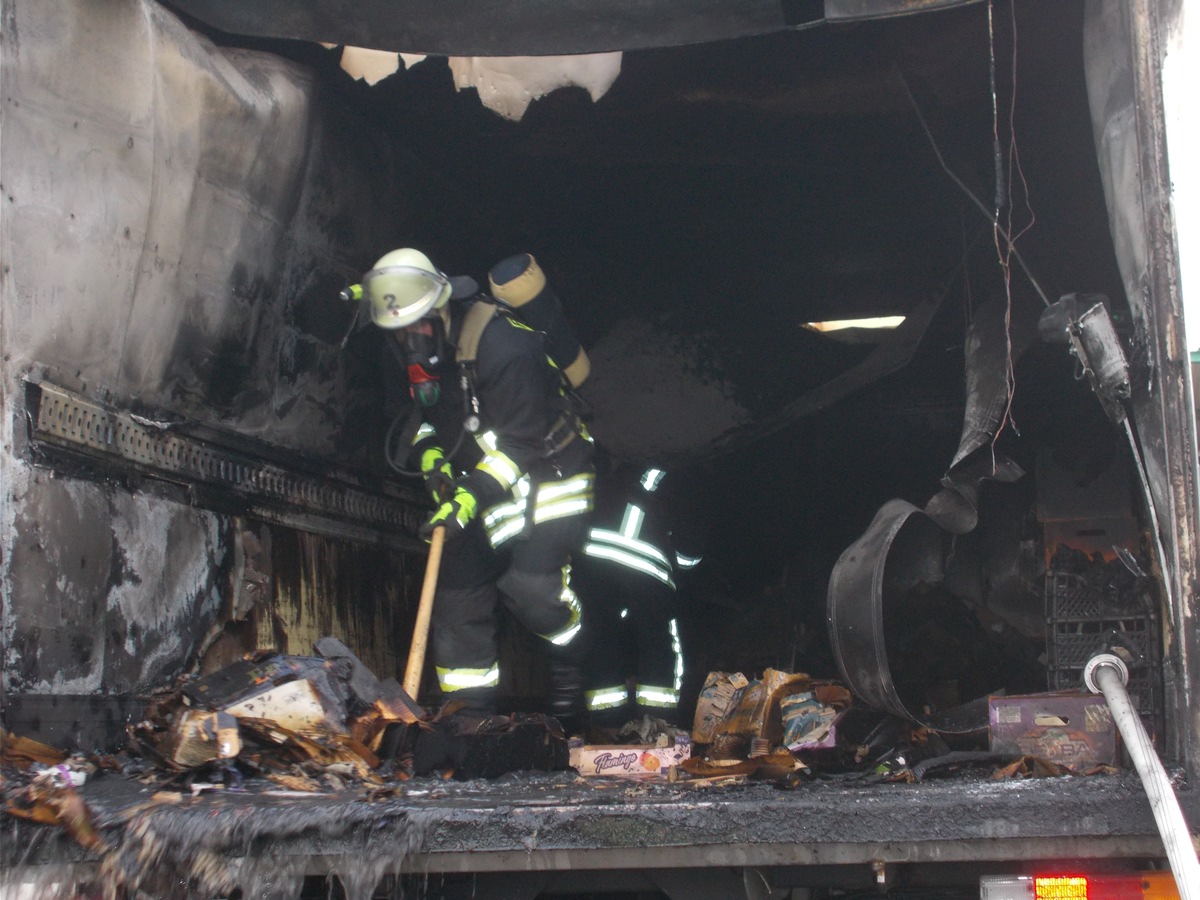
222,477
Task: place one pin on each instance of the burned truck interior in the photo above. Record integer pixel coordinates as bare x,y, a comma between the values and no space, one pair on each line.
835,276
716,200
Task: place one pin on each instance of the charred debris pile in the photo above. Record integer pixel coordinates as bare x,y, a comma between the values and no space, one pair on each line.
275,747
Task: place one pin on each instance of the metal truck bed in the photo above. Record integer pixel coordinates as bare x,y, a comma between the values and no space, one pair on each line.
544,832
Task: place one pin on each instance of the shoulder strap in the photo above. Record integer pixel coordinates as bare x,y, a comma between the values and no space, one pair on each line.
477,318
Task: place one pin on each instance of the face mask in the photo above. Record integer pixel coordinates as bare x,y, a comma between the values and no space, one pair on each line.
424,344
422,386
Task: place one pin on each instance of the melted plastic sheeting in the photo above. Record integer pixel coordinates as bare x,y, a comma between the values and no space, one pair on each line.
901,642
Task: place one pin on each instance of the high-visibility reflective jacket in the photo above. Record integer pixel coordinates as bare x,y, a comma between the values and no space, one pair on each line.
630,563
530,460
632,534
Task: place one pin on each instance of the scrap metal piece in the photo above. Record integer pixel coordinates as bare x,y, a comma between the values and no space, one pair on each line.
1095,344
900,549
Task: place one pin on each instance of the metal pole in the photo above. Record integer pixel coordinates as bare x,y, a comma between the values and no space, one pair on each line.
1107,674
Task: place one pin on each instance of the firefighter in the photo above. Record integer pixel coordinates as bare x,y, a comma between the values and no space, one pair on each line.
507,463
629,573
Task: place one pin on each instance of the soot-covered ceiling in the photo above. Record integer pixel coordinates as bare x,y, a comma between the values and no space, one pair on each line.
722,194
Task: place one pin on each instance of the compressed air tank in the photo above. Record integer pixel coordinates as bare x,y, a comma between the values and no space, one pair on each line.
519,282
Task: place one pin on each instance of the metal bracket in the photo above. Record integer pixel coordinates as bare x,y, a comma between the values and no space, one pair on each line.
230,475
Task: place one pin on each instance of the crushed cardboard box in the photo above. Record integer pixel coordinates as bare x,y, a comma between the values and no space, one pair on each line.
719,697
810,717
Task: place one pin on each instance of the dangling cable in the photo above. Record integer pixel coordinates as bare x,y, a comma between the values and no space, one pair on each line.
1004,259
1006,249
997,155
1003,239
979,204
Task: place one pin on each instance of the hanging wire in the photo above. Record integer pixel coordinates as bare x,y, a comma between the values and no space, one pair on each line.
1004,239
997,154
979,204
1004,250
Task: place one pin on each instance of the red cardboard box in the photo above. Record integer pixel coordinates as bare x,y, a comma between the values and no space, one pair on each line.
1071,728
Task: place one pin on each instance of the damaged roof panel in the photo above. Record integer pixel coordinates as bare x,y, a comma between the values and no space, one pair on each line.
530,27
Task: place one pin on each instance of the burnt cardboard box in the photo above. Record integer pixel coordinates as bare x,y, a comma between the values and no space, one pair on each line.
719,698
1071,728
300,693
199,736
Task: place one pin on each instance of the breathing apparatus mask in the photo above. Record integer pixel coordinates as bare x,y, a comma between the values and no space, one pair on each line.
424,343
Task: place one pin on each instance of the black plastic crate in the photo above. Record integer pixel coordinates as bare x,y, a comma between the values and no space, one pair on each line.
1070,598
1074,644
1084,617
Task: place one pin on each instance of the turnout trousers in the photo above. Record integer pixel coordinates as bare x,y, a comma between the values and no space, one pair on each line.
635,660
531,575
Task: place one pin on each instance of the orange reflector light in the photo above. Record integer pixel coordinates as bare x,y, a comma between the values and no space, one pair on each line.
1060,887
1159,886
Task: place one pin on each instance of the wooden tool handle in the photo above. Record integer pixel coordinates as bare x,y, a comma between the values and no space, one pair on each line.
416,654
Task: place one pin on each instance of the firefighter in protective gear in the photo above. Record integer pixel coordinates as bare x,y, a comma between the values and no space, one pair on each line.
629,573
507,464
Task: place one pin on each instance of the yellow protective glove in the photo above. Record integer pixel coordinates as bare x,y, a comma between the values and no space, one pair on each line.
438,474
455,514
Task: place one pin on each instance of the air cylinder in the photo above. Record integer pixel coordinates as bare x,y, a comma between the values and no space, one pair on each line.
519,283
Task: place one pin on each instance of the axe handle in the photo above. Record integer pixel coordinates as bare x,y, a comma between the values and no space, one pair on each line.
416,654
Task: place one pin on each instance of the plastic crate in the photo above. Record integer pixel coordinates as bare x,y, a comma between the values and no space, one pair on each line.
1082,620
1072,647
1069,598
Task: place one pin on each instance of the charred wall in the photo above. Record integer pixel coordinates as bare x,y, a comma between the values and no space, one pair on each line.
176,217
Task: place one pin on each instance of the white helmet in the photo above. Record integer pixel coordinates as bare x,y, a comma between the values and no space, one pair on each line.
403,286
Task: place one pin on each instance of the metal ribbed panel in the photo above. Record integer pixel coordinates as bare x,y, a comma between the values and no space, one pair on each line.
270,490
